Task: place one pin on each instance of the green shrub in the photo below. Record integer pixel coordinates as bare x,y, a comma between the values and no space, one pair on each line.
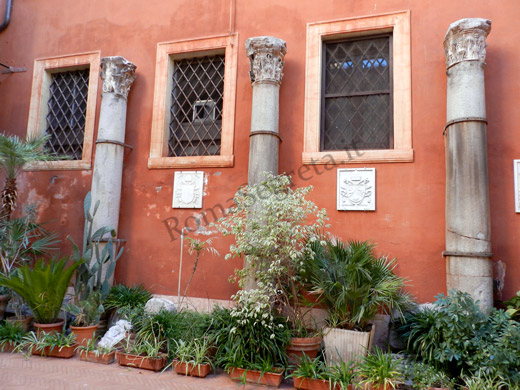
455,335
11,334
123,297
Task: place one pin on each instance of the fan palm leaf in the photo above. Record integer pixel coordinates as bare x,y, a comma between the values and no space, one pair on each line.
14,153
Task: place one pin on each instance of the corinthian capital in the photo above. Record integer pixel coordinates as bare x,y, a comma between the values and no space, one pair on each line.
466,41
266,55
118,75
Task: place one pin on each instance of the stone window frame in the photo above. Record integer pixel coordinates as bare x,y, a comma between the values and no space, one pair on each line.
40,93
167,52
398,23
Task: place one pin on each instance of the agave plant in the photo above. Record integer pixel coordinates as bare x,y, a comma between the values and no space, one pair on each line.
352,282
42,287
14,153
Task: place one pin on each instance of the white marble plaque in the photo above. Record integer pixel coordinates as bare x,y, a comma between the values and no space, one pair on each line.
356,189
516,164
188,190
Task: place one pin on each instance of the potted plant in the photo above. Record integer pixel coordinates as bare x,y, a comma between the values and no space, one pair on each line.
480,381
10,336
142,353
273,224
43,288
427,377
353,284
52,344
86,317
251,339
192,358
91,352
379,371
315,374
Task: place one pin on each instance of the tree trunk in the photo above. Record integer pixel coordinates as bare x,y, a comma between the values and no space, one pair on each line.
9,195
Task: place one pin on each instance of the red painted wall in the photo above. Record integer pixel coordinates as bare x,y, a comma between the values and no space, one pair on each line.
409,220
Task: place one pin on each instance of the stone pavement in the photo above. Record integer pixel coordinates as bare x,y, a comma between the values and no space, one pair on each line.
41,373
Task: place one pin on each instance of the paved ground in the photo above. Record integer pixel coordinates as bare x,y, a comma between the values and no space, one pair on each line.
41,373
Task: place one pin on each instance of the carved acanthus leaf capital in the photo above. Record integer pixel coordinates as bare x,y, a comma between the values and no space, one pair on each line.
117,74
266,55
466,41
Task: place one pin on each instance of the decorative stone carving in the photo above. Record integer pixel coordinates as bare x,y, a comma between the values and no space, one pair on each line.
188,190
517,184
117,74
466,41
356,189
115,334
266,55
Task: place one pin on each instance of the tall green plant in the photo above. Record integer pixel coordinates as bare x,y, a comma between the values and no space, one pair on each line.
271,223
14,153
42,287
352,282
91,276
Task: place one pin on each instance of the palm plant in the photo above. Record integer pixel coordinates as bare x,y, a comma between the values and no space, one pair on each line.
352,282
42,287
14,153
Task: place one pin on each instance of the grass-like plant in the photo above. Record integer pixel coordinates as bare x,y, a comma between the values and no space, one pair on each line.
381,369
92,346
32,342
194,352
340,375
481,381
42,287
352,282
11,334
124,297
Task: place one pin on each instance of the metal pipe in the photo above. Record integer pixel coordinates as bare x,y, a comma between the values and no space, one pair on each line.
7,16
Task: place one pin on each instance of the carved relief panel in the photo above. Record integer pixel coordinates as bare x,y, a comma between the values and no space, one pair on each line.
356,189
188,190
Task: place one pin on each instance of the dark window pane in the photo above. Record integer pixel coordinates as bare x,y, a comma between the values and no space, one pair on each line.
196,111
357,96
67,110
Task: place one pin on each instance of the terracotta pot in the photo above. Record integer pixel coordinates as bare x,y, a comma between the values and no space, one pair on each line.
439,388
4,299
257,377
315,384
346,345
64,352
144,362
102,358
199,370
8,347
83,333
303,345
23,321
49,328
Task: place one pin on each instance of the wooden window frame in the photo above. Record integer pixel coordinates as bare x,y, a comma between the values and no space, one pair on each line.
37,123
399,25
167,53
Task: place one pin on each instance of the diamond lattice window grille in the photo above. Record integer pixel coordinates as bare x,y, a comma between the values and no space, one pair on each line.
67,109
196,110
357,94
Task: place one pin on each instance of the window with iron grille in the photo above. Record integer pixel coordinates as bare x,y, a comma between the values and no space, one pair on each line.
67,106
357,94
196,111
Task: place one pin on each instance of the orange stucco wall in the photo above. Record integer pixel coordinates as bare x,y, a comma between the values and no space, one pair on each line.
409,220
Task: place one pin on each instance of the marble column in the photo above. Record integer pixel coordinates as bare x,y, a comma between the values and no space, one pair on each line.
468,232
266,55
117,75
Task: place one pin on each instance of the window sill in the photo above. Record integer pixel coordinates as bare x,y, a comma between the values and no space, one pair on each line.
66,165
359,156
191,162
